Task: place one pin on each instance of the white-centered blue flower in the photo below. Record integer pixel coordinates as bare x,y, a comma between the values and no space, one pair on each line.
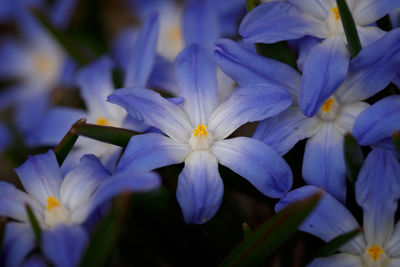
196,133
323,165
326,65
377,192
61,204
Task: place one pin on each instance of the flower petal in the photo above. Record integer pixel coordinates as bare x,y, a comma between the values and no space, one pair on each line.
377,192
257,163
18,242
282,132
305,46
323,163
372,69
247,104
369,34
200,187
53,125
317,8
279,20
154,110
328,220
341,259
41,176
80,183
143,54
369,11
247,67
13,200
150,151
324,70
348,114
379,121
196,72
200,23
392,246
127,181
64,245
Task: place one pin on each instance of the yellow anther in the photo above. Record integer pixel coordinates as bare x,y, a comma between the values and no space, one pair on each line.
335,11
326,107
201,129
174,33
101,121
42,63
52,202
374,251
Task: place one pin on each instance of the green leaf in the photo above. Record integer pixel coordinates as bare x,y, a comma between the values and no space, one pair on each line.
252,4
331,247
353,41
107,134
64,147
279,51
34,223
354,158
71,47
396,141
105,238
260,243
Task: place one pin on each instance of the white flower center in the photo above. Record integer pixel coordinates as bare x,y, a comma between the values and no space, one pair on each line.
329,109
334,22
375,256
201,139
55,213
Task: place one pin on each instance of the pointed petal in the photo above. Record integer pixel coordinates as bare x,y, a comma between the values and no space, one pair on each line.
154,110
200,23
64,245
79,184
257,163
348,114
305,46
282,132
200,187
54,124
197,79
150,151
324,70
141,62
372,69
95,84
392,246
127,181
18,242
341,259
328,220
379,121
13,200
323,163
369,11
369,34
317,8
247,104
279,20
247,67
41,176
377,192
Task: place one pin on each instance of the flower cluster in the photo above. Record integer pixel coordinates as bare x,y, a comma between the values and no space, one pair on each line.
198,93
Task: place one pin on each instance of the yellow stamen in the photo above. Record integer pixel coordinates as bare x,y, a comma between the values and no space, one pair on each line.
52,202
375,251
101,121
42,63
326,107
335,11
174,33
201,129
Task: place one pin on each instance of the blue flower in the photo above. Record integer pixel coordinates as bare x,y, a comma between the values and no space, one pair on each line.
323,164
326,64
197,131
61,204
375,125
377,192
